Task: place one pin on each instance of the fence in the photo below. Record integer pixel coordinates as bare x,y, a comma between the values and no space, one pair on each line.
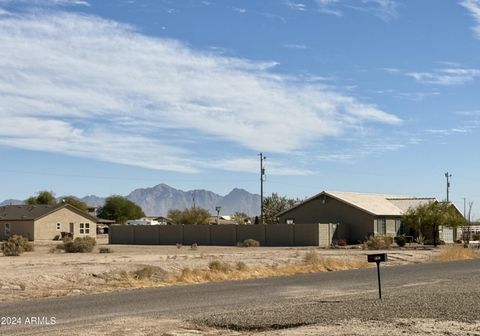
223,235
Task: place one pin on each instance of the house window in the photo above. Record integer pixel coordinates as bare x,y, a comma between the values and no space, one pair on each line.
58,226
399,226
289,221
7,229
84,228
381,226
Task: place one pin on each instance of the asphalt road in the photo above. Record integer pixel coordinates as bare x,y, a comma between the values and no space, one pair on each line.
436,290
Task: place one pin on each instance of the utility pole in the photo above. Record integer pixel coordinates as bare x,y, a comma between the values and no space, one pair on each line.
262,179
447,175
193,199
464,207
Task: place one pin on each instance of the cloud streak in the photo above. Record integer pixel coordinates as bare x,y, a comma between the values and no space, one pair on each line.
473,6
446,77
384,9
85,86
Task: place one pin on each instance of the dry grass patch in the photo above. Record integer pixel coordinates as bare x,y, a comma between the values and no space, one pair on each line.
221,271
449,253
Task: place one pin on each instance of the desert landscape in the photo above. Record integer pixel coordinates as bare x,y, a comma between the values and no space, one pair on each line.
49,272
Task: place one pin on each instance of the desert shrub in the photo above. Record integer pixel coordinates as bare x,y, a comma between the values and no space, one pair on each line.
79,245
105,250
420,239
219,266
241,266
179,246
341,242
56,249
144,273
249,243
430,242
16,245
311,257
401,241
377,243
194,246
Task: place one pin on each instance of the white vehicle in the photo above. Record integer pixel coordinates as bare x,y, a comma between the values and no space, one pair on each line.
143,222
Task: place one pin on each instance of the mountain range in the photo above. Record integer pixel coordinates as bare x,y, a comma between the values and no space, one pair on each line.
158,200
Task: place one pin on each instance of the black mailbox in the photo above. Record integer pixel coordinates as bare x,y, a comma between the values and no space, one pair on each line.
377,257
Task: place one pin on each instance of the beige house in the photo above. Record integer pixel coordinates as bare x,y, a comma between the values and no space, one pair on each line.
45,222
359,215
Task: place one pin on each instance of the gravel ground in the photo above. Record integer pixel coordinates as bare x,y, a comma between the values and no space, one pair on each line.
442,301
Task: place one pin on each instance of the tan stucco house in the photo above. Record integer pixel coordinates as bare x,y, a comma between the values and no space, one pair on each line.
45,222
359,215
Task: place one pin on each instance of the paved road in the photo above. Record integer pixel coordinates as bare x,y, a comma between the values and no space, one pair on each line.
221,304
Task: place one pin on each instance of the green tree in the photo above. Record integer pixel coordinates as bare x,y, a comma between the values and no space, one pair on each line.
428,217
190,216
42,197
240,217
274,204
75,201
120,209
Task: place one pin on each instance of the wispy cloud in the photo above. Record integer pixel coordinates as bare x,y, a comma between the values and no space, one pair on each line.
473,6
94,88
448,76
295,46
47,2
296,6
384,9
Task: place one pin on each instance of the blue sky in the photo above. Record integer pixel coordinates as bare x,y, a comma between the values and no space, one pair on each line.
101,97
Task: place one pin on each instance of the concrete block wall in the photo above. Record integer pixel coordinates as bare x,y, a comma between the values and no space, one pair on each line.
146,234
306,235
170,234
196,234
256,232
279,235
221,235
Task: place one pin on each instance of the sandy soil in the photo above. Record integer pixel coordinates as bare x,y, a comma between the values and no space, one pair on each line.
136,326
42,273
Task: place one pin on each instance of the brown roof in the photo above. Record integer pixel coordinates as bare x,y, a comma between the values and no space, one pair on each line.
34,212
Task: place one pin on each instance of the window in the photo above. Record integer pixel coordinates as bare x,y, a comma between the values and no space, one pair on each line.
289,221
399,226
7,229
58,226
381,226
84,228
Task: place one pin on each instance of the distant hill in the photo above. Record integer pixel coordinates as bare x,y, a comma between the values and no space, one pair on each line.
158,200
11,202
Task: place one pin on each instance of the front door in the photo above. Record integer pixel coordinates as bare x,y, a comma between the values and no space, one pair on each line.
71,228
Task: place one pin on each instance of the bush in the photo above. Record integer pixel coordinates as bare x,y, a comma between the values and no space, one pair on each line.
341,242
79,245
16,245
194,246
179,246
401,241
241,266
378,243
430,242
249,243
311,257
144,273
105,250
219,266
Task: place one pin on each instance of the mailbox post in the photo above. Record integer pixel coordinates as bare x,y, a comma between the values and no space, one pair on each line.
378,258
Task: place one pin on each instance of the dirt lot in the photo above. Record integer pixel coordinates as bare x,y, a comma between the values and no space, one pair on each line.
42,273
